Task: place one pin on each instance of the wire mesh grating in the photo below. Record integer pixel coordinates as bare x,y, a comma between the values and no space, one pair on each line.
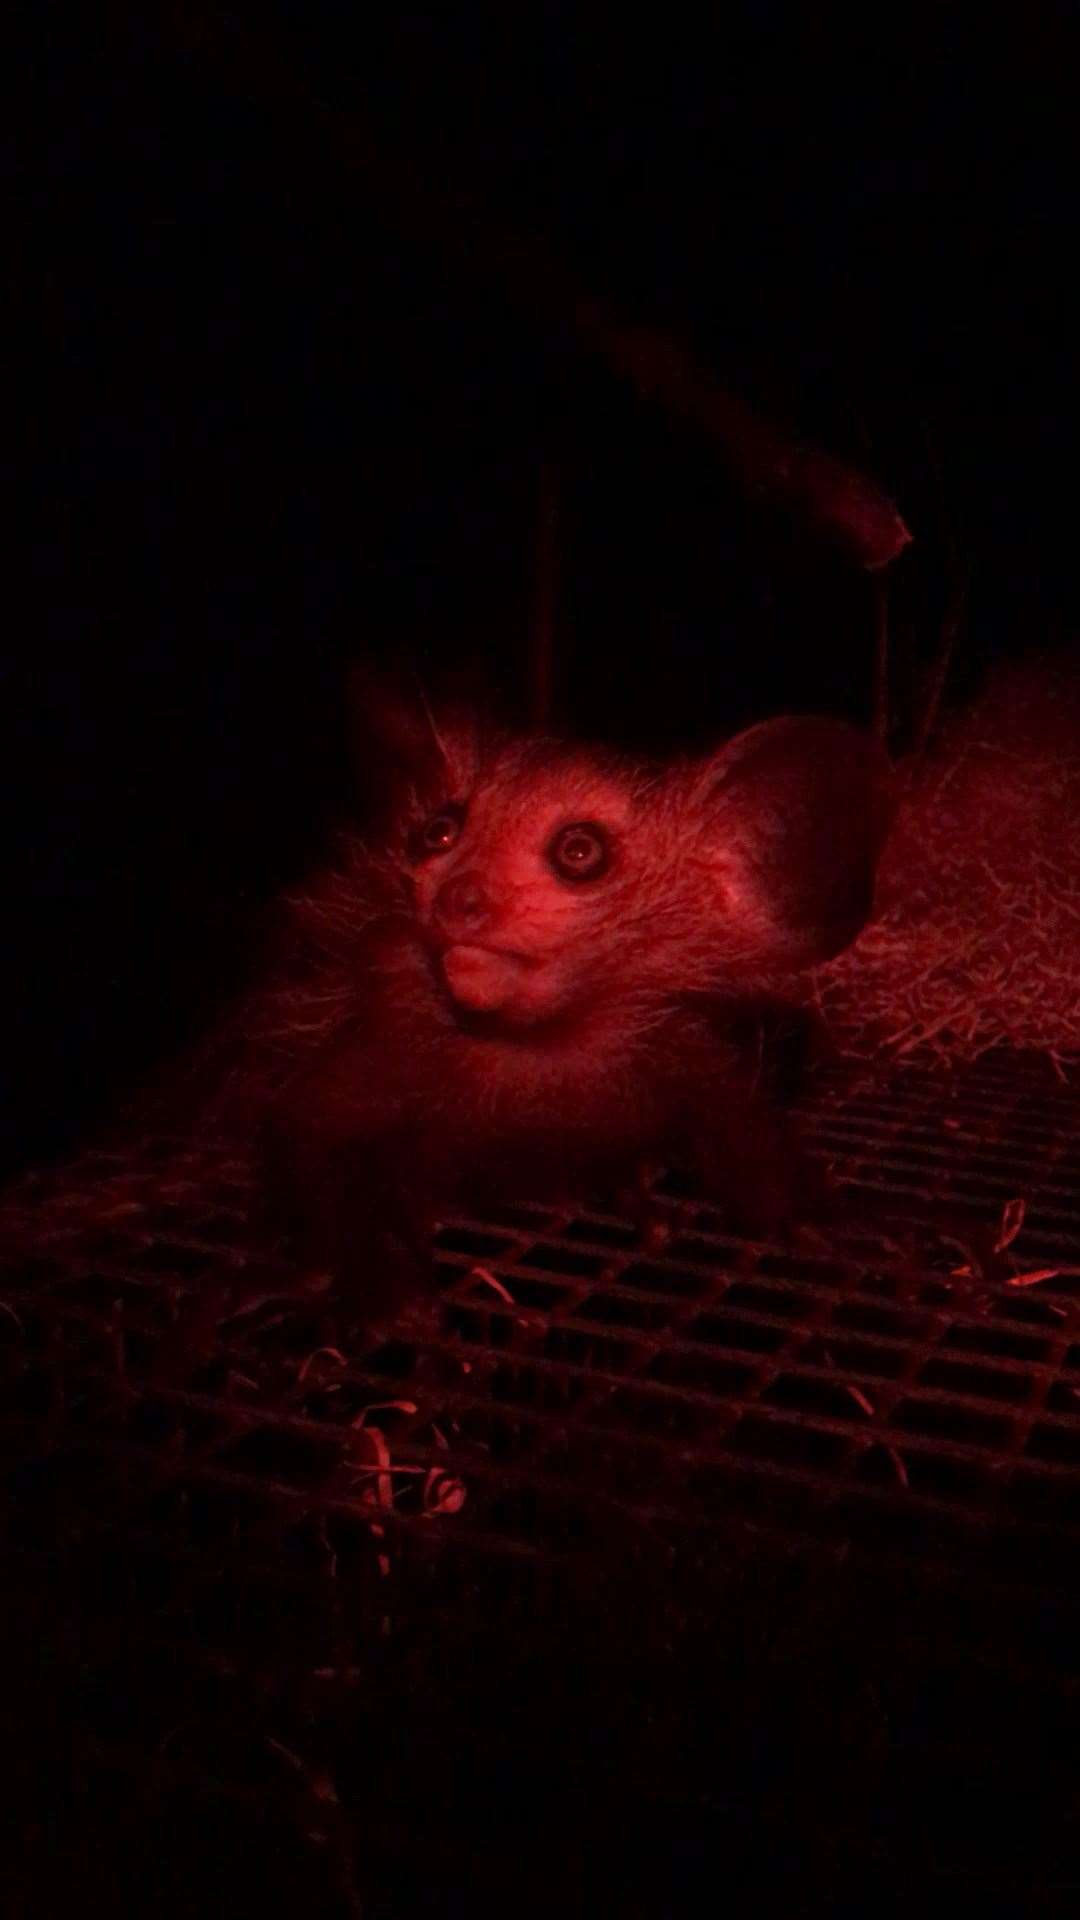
280,1532
909,1362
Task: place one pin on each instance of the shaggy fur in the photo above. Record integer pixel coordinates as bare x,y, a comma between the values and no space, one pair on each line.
453,1021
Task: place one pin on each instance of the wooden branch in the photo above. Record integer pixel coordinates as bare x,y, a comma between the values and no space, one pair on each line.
808,482
543,650
882,700
956,574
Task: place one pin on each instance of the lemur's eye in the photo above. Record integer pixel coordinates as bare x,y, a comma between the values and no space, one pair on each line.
440,833
580,852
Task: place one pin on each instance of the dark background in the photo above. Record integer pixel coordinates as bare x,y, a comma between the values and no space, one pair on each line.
260,427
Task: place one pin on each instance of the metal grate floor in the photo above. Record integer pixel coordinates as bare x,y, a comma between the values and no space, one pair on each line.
905,1374
241,1494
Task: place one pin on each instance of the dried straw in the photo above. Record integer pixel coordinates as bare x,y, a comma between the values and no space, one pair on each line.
976,941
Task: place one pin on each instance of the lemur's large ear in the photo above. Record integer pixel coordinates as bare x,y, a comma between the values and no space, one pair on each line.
797,811
404,740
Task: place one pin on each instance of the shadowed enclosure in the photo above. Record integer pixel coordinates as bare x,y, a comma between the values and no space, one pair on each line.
641,381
